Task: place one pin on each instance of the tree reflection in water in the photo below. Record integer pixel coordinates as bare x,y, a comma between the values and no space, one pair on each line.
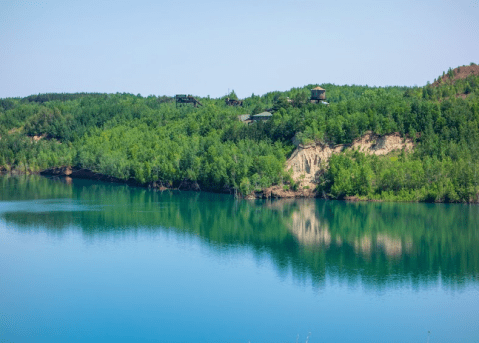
377,243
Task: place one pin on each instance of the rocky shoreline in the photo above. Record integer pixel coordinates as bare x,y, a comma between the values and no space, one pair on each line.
273,192
185,185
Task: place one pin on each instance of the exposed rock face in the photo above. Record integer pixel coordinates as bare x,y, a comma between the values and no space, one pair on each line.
381,145
308,162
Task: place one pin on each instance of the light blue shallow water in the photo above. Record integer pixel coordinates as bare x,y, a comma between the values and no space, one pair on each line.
89,262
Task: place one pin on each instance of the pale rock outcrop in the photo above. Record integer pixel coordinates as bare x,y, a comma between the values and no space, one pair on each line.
381,145
307,162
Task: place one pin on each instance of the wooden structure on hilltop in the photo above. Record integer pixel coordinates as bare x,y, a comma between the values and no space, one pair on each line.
186,99
318,95
233,102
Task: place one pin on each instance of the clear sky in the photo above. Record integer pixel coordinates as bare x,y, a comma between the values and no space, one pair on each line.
207,47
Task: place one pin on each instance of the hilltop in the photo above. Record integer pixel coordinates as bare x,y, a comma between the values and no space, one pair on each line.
458,73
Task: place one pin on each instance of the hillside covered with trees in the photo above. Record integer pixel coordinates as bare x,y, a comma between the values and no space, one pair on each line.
149,139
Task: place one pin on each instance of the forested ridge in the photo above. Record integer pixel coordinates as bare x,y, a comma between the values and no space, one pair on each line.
149,139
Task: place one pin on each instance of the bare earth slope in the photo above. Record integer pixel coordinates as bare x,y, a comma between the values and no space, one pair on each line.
307,162
459,73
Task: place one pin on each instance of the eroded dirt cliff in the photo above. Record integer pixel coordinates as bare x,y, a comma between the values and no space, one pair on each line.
307,162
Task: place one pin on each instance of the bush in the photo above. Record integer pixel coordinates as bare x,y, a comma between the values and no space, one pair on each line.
245,186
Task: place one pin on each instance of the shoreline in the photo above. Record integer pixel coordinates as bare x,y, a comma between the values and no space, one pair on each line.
273,192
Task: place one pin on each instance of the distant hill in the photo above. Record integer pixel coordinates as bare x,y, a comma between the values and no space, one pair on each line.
459,73
153,142
461,82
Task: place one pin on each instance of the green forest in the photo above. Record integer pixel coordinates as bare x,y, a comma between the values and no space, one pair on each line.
151,140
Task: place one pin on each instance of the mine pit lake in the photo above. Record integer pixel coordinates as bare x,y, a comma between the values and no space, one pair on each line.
83,261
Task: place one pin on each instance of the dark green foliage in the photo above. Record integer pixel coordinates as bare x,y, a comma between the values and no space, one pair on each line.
403,178
41,98
26,155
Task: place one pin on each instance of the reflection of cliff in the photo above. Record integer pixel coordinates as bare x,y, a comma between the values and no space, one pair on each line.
394,246
308,228
391,246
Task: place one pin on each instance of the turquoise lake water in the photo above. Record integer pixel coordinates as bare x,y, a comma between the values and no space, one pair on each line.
82,261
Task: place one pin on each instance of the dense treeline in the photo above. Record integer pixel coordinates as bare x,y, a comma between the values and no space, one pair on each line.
149,139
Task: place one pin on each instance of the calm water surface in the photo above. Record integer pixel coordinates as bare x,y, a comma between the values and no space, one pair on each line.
82,261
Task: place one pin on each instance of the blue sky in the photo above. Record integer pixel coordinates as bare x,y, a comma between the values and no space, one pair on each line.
207,47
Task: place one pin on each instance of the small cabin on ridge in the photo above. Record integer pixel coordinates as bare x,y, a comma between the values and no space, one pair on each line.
263,116
248,118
